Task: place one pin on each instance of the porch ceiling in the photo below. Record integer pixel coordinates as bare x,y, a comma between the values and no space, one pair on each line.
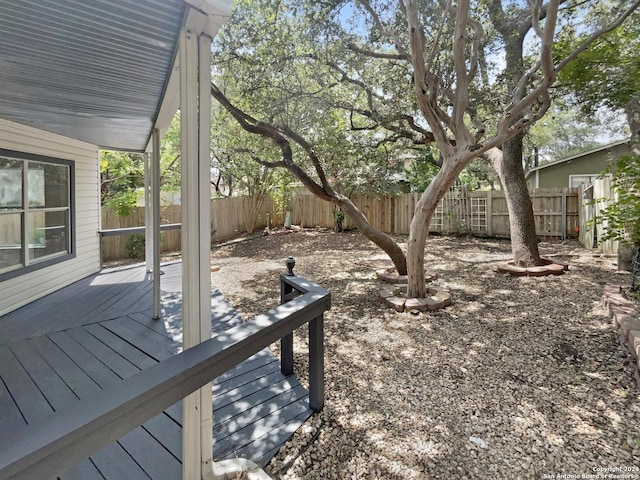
91,70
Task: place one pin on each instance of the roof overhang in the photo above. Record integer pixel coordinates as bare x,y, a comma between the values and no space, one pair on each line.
98,71
577,156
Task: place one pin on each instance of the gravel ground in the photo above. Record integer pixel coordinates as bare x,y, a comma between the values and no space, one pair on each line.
518,378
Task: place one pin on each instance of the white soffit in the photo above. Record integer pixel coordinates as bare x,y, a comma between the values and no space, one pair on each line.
93,70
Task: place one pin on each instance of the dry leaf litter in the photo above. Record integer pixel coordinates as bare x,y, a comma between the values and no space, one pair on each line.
519,378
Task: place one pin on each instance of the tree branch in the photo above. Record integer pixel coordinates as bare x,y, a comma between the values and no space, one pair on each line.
385,56
461,97
615,24
426,101
383,31
251,125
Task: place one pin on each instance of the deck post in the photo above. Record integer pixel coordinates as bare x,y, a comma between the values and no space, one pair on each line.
148,251
195,125
155,222
316,363
286,342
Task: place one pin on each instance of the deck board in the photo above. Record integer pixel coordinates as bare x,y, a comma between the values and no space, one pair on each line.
100,373
84,471
249,386
31,402
120,346
259,429
167,431
61,310
113,462
264,448
113,360
148,341
57,393
68,371
92,334
11,418
152,457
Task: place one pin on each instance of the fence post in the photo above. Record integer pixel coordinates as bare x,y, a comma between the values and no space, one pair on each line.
564,215
489,213
316,363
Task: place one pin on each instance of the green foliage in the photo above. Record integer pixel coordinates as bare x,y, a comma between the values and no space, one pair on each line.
170,167
283,191
565,130
134,245
286,64
421,171
122,203
338,218
622,218
608,72
122,174
478,174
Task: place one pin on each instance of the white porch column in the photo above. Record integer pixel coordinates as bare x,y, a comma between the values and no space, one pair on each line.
155,221
195,124
148,232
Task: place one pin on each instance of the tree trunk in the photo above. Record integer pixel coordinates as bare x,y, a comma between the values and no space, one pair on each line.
419,227
625,257
381,239
251,208
508,166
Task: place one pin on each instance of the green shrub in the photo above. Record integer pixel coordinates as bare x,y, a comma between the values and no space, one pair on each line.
622,218
338,218
134,246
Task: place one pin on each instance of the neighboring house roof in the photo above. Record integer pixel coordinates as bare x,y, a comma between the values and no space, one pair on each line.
577,155
96,71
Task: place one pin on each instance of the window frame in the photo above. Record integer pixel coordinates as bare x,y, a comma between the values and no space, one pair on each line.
592,177
24,210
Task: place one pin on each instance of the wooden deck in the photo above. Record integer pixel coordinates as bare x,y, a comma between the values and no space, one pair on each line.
98,331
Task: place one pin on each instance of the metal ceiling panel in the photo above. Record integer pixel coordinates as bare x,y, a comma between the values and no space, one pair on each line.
94,70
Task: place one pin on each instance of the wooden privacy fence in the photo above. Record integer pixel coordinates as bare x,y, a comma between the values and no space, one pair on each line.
556,212
595,197
481,212
227,221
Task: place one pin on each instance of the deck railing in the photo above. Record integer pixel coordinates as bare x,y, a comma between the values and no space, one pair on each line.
115,232
291,287
70,435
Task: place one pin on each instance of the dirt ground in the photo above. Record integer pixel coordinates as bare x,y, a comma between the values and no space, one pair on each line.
518,378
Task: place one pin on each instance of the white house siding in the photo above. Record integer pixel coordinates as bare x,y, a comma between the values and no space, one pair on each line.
23,289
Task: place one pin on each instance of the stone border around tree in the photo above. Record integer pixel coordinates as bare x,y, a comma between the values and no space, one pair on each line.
390,275
438,297
626,318
549,267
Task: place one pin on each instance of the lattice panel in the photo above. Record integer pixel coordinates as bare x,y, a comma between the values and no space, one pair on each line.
478,214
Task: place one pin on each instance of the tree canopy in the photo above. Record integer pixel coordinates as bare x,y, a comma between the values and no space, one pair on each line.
349,83
122,173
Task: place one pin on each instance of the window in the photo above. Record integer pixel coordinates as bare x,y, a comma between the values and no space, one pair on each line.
35,211
577,180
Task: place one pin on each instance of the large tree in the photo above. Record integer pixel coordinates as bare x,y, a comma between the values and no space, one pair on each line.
415,69
286,99
514,25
